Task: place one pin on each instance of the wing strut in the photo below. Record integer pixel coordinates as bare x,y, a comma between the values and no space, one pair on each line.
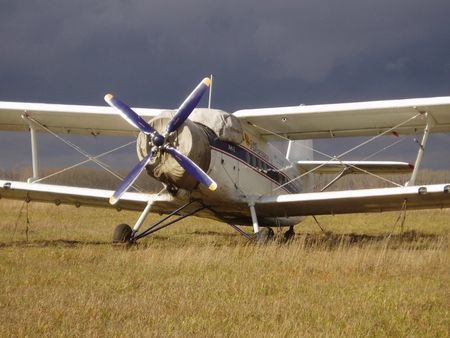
430,123
34,149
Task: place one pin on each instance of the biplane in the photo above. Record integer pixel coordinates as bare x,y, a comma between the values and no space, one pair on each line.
224,166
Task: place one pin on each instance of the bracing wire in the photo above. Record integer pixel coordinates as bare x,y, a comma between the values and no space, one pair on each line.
82,152
337,158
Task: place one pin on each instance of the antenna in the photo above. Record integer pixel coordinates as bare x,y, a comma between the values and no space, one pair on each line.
210,92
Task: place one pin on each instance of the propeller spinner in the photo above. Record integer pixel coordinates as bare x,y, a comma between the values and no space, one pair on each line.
159,141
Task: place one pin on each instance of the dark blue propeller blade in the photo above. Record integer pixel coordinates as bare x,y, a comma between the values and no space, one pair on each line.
188,105
129,115
130,179
193,169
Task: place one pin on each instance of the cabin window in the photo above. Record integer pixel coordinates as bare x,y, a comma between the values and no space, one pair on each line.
247,157
264,166
253,160
258,163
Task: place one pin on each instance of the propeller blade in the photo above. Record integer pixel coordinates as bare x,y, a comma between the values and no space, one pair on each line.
130,179
188,105
130,115
193,169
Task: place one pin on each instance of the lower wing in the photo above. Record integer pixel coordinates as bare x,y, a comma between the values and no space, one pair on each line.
354,201
304,204
77,196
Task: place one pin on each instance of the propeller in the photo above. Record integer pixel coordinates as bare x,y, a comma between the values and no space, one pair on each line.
129,115
159,141
131,178
192,168
188,105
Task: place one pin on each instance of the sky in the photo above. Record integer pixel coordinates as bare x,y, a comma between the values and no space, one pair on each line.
262,54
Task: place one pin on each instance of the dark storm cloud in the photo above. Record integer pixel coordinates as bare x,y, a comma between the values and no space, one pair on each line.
152,48
263,53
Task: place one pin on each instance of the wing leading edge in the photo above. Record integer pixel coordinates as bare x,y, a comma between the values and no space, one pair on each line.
59,194
74,119
355,201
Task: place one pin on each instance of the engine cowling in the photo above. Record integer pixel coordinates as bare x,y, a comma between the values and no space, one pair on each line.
190,139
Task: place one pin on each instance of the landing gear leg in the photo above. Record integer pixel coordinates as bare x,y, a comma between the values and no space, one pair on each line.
141,219
263,235
254,218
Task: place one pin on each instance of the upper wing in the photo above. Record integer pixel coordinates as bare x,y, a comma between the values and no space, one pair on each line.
354,201
59,194
348,119
355,167
72,119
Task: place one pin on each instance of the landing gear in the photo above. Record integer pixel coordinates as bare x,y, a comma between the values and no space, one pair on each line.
122,234
289,235
264,235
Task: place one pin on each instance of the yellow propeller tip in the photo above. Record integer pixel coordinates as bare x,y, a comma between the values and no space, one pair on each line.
207,81
108,97
212,186
113,200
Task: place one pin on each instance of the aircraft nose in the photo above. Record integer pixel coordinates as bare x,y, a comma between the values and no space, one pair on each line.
189,139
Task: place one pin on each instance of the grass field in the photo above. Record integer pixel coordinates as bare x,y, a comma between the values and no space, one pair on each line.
59,276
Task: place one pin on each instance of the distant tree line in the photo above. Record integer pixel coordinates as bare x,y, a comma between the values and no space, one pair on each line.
83,177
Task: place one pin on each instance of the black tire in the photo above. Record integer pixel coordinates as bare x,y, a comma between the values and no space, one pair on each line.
289,235
122,234
264,235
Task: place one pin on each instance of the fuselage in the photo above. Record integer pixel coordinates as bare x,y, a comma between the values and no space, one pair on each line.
244,165
246,171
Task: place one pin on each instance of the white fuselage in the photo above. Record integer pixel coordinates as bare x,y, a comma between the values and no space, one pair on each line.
246,171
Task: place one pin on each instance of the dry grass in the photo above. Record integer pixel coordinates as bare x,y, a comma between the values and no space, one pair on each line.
199,278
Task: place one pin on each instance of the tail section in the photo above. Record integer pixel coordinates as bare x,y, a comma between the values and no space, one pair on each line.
302,150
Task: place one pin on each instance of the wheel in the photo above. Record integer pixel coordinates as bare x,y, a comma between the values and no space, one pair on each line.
290,234
122,234
264,235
